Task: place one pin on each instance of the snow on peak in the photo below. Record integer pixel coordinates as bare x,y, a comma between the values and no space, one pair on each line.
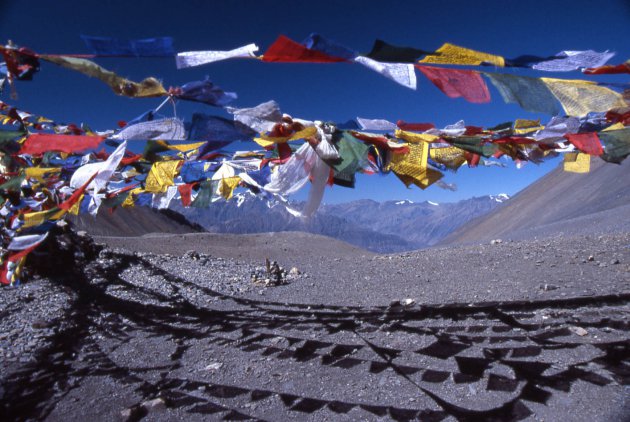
433,203
404,201
502,197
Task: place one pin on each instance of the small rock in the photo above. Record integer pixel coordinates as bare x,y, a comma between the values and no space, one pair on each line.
40,324
154,405
214,366
591,258
614,262
194,255
579,331
496,241
294,272
548,287
407,302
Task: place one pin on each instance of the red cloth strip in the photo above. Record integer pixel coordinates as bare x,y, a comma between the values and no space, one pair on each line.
415,127
39,143
588,143
286,50
458,83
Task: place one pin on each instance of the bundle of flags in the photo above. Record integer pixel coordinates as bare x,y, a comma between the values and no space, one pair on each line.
49,170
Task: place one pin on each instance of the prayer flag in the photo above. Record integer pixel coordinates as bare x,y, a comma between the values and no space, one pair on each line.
288,51
588,143
384,52
578,97
576,162
197,58
453,54
458,83
149,87
532,94
39,143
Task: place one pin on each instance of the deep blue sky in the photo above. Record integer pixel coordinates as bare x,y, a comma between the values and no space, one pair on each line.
333,92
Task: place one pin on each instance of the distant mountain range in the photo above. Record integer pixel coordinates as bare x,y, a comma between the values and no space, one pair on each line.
559,203
390,226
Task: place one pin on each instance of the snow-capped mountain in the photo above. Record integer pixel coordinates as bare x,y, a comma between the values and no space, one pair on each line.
388,226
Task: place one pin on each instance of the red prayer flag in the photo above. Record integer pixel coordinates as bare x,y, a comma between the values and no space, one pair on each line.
39,143
608,69
458,83
516,140
286,50
185,191
588,143
415,127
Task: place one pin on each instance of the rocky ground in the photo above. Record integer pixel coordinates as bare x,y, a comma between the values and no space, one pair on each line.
200,327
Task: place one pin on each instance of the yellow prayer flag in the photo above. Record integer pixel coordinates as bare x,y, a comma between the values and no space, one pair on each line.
579,97
161,176
149,87
265,141
40,173
415,137
33,219
451,157
576,162
227,186
616,126
186,147
129,201
76,207
524,126
412,168
453,54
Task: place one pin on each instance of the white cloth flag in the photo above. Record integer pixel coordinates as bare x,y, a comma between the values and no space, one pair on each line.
376,124
456,129
292,176
573,60
197,58
402,73
103,170
20,243
557,128
168,128
162,201
260,118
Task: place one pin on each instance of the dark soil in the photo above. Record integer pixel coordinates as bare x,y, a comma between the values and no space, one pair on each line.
177,330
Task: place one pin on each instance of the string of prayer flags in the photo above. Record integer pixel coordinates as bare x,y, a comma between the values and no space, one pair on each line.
453,54
149,87
197,58
148,47
458,83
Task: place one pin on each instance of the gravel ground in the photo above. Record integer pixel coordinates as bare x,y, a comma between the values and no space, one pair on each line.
194,327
